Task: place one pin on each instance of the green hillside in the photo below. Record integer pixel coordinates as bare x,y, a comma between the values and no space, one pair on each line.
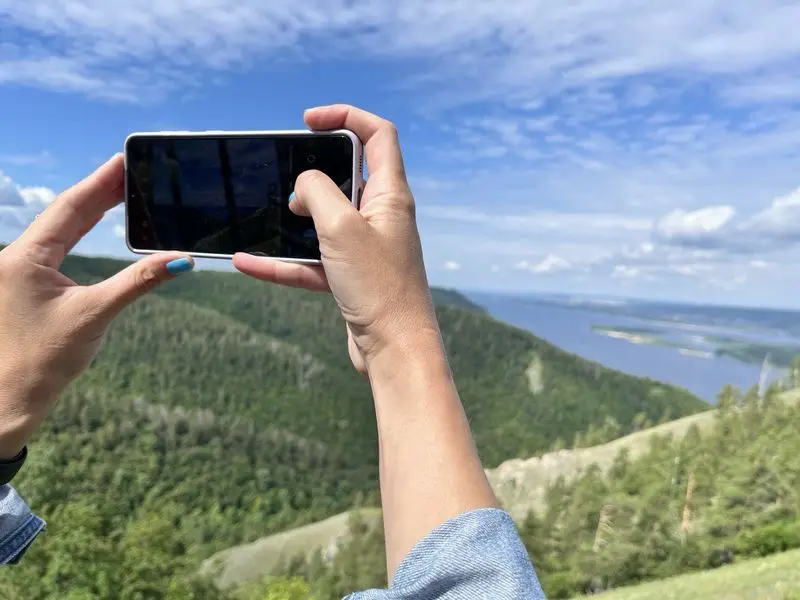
773,578
271,555
223,410
324,399
454,298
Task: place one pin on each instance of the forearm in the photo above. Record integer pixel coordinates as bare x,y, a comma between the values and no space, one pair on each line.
429,468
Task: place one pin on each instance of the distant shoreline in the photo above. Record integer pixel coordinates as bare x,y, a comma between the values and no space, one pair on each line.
648,337
748,352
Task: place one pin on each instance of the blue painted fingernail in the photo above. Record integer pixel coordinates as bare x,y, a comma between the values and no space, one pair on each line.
179,265
291,197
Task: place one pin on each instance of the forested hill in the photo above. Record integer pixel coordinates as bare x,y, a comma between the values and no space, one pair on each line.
227,343
454,298
222,410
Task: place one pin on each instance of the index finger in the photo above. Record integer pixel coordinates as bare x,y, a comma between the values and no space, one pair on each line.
378,135
74,212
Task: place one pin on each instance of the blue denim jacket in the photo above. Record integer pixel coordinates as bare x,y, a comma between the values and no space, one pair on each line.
475,556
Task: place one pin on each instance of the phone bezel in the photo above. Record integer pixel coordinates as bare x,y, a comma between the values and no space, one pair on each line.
357,175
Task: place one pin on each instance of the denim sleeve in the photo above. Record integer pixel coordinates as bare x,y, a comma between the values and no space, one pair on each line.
475,556
18,526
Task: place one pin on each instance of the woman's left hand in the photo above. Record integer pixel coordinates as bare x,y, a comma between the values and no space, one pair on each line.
50,327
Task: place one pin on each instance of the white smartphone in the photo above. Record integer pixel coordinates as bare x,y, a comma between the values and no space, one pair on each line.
214,193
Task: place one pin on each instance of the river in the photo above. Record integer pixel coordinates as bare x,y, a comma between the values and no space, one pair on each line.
570,328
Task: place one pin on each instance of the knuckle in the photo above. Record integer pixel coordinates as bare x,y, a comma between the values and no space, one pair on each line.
389,128
407,204
311,178
145,278
340,224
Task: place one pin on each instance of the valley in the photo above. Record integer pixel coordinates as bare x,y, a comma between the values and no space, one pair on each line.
522,486
218,446
222,410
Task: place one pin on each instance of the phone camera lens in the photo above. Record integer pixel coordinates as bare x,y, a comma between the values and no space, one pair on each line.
311,159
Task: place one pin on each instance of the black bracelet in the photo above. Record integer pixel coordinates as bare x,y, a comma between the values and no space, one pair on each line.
10,468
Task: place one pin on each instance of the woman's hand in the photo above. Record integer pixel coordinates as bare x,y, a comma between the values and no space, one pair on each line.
372,259
51,328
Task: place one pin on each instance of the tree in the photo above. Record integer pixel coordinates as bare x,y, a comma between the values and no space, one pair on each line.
794,373
279,588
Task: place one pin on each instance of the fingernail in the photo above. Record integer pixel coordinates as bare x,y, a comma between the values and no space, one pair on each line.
179,265
291,197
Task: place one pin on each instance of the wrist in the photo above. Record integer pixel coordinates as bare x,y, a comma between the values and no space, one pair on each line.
419,352
18,420
13,438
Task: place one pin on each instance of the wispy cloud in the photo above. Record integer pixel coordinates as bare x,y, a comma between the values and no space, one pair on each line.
518,52
623,141
550,264
25,160
538,221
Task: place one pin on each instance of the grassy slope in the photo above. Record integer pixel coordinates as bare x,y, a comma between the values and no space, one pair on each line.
269,555
521,484
772,578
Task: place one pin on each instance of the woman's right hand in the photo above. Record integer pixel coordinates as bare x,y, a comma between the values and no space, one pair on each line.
372,258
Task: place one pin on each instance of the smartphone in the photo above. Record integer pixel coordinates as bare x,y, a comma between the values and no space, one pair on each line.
214,193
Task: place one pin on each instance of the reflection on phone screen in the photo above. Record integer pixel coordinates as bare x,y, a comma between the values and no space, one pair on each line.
221,195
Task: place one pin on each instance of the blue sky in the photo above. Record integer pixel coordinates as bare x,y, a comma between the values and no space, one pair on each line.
646,149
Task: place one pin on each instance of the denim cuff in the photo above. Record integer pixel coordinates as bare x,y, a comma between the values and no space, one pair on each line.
18,526
475,556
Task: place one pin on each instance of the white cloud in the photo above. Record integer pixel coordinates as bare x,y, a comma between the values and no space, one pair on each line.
680,224
776,227
19,205
548,265
119,231
625,272
780,219
10,195
13,195
37,195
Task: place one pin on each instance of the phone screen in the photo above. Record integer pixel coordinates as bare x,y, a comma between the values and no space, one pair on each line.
226,194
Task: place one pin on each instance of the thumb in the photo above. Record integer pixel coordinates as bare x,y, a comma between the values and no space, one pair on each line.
136,280
317,196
